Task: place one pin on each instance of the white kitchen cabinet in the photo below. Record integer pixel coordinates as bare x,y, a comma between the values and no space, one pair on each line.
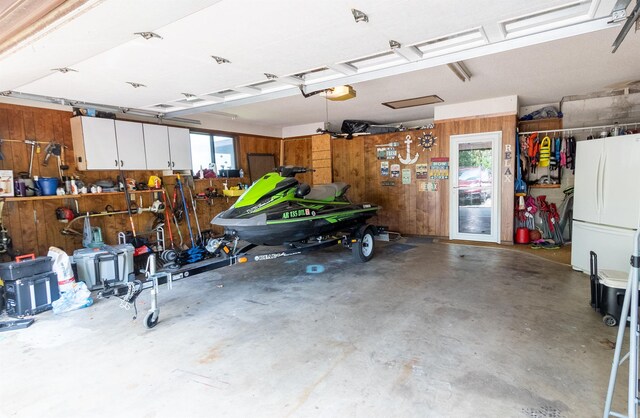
180,148
156,142
131,151
94,143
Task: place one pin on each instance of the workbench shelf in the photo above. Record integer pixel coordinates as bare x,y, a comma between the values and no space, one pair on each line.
74,196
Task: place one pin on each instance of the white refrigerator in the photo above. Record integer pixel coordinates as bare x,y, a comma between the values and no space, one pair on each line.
606,206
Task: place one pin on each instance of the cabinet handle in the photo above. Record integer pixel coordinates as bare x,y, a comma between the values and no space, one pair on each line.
116,161
168,163
121,163
173,164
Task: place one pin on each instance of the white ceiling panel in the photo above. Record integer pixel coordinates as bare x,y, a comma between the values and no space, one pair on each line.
283,37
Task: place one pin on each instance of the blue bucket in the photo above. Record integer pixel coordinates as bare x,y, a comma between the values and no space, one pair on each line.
48,185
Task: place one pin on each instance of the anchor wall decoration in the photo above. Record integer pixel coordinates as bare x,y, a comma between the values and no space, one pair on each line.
408,160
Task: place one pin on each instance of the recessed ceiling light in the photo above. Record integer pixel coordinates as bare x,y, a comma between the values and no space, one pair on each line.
270,76
135,85
64,70
148,35
394,44
220,60
189,96
359,16
416,101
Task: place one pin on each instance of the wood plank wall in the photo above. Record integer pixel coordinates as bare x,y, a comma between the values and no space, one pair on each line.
254,144
32,224
298,151
405,209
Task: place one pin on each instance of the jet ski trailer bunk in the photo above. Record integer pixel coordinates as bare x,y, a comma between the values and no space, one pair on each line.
226,252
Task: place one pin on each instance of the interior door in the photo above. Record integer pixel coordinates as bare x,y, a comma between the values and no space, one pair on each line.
475,187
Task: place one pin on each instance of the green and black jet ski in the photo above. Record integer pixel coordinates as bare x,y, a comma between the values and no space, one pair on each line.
277,209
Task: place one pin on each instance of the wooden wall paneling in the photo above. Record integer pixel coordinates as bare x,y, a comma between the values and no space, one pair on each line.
20,158
250,144
28,227
298,152
348,165
11,221
4,134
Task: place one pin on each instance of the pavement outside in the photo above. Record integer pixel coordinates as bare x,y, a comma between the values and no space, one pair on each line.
423,330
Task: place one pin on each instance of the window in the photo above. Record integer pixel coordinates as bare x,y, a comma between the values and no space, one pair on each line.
212,151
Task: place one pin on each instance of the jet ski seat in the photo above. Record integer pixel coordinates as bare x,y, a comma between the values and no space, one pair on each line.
327,191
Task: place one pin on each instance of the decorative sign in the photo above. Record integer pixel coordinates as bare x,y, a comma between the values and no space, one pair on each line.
427,186
508,174
388,183
439,168
406,176
427,141
408,160
395,170
422,171
384,168
387,151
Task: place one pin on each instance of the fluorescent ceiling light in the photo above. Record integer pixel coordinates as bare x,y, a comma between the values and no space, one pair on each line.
460,70
416,101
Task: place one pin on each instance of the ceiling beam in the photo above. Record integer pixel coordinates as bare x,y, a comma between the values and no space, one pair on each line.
342,68
358,77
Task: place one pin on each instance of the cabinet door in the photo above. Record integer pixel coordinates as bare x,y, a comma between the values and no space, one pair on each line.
180,147
156,144
100,148
620,204
587,187
130,145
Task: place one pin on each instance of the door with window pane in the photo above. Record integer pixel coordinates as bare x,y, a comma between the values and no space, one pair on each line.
474,180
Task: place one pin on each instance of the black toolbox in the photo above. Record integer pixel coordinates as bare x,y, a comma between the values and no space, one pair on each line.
31,295
15,270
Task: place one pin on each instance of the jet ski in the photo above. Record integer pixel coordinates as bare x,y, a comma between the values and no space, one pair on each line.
277,209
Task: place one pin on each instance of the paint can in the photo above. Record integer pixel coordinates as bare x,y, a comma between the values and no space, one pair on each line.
522,235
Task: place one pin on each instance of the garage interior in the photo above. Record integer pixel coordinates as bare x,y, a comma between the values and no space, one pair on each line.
287,209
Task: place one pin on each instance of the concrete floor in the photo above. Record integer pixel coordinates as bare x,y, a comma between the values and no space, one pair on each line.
423,330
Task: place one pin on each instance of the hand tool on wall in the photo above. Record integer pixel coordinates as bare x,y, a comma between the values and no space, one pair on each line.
195,215
33,145
52,148
195,253
175,220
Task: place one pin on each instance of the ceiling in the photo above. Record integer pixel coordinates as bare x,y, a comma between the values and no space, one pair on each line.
541,51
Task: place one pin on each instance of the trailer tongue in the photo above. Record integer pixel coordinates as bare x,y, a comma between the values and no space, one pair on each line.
227,253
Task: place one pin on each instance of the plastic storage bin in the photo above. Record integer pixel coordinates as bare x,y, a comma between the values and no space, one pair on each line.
112,264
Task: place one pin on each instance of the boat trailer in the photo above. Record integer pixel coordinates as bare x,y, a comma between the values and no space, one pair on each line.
227,253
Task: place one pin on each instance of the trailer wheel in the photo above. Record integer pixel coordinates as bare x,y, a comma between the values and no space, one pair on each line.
609,321
362,250
149,320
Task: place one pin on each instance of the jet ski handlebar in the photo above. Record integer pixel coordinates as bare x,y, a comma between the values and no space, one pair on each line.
291,171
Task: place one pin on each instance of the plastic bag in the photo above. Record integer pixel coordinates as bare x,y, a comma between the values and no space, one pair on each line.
62,267
78,296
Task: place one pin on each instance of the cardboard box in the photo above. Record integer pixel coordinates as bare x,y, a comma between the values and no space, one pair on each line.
6,183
